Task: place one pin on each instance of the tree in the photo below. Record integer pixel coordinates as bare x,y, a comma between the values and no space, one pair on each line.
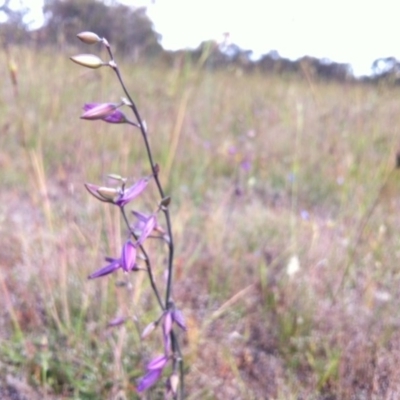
13,29
128,28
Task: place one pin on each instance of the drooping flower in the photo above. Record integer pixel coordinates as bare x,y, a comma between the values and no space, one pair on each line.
154,370
178,318
113,265
117,196
128,256
171,316
149,379
132,192
127,262
145,225
148,227
167,323
107,112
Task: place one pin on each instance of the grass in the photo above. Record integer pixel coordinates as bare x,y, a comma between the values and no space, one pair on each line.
322,189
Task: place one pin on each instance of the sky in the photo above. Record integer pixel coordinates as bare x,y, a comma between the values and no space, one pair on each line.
351,31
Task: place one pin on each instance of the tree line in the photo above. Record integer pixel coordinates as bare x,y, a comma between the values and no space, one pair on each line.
133,35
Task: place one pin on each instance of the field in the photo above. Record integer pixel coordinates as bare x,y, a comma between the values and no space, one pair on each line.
285,211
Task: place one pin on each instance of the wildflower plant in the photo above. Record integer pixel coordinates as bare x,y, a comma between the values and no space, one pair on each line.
141,227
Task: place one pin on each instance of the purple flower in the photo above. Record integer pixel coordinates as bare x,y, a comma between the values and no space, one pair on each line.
141,221
107,112
158,362
148,227
117,196
127,262
167,324
246,165
149,379
128,259
178,318
169,317
112,266
130,193
173,316
154,370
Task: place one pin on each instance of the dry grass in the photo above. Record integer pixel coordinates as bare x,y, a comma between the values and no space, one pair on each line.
322,191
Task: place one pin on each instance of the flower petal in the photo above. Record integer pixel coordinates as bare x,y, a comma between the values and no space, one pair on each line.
116,117
108,269
132,192
167,324
147,229
149,380
158,362
128,256
98,111
178,318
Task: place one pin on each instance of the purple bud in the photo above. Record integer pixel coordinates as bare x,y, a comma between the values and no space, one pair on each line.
95,111
178,318
167,324
117,117
114,116
128,256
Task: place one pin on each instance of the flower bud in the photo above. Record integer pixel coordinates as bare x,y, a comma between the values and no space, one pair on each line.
93,190
88,60
173,383
88,37
128,258
99,111
108,193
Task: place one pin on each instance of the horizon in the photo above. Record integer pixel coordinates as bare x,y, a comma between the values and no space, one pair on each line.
324,30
